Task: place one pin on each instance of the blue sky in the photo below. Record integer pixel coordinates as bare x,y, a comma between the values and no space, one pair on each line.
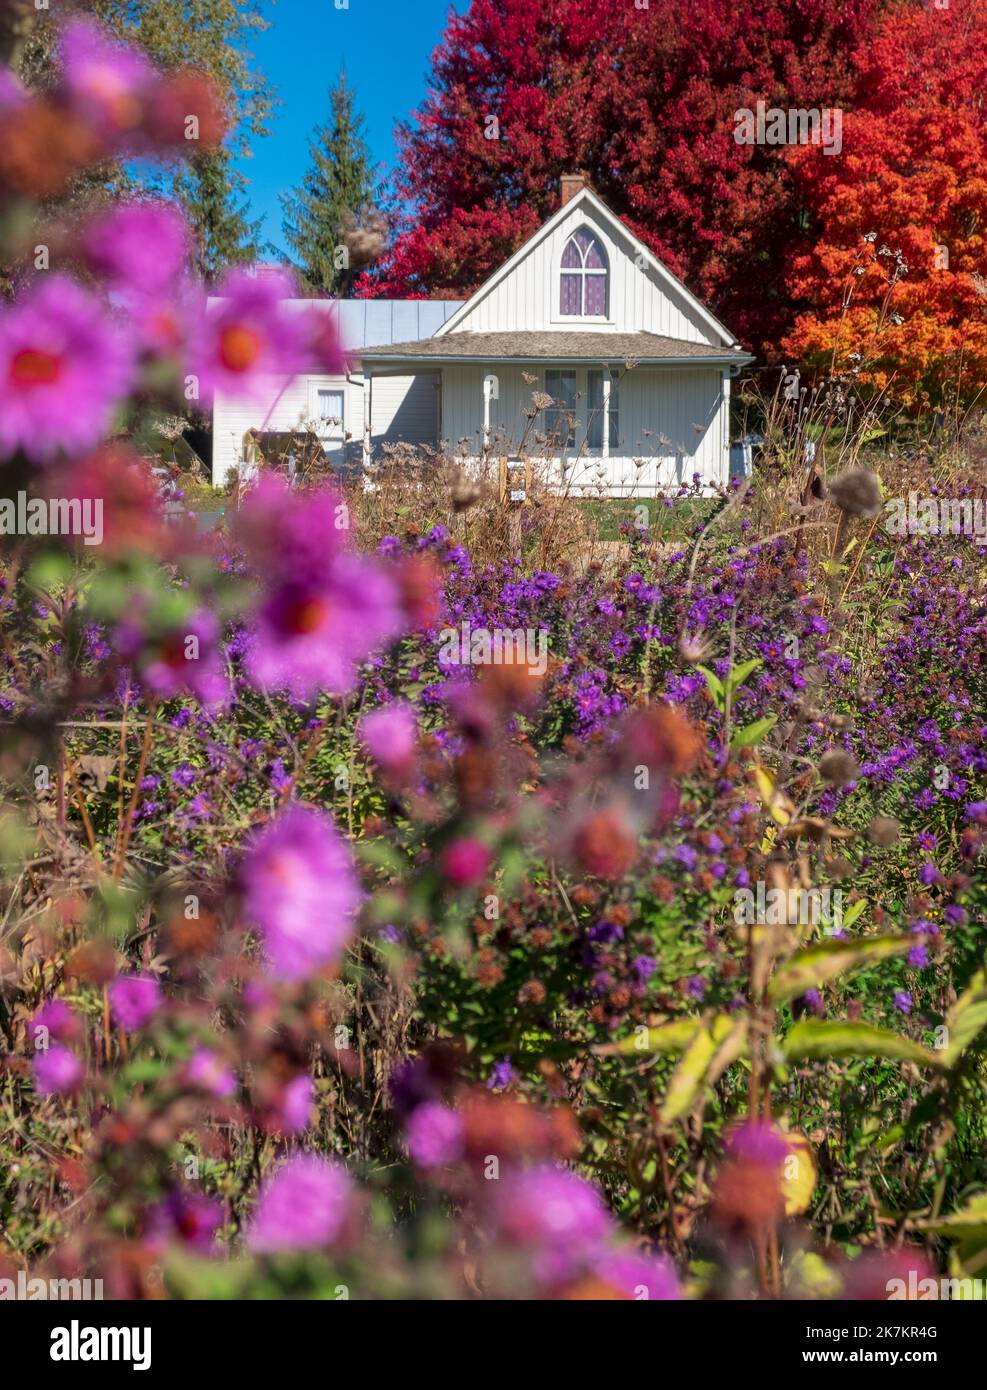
385,45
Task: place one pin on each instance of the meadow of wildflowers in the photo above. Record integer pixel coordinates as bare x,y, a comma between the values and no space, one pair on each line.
329,965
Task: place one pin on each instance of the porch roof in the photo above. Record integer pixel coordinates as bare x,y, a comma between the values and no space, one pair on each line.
565,347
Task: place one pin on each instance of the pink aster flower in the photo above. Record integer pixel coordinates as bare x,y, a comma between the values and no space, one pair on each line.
56,1019
464,862
105,81
292,1114
248,336
644,1278
140,248
64,365
186,660
547,1206
325,608
435,1135
57,1071
134,1000
301,892
389,734
206,1071
12,94
302,1206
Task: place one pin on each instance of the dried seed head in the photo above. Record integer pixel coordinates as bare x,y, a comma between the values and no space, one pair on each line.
837,767
857,492
883,831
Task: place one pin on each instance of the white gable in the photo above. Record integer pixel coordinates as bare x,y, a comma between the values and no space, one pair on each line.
644,296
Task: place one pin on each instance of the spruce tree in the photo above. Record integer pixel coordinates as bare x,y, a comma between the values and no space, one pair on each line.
322,218
209,191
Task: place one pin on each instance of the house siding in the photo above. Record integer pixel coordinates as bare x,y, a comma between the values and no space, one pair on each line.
640,301
672,423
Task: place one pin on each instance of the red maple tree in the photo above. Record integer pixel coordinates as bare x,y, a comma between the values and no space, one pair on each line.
643,100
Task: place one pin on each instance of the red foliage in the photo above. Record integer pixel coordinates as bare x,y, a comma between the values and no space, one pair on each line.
644,101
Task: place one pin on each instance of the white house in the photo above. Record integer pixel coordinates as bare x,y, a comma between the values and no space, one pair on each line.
582,351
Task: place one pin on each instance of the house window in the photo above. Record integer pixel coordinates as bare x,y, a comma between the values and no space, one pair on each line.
585,277
594,391
329,413
560,417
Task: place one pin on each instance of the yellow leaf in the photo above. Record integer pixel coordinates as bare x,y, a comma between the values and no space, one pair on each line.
798,1174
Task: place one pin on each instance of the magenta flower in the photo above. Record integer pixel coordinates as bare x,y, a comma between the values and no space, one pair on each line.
57,1071
140,248
248,335
134,1000
302,1206
758,1143
464,863
389,734
293,1112
325,607
190,1218
60,1021
64,365
186,660
208,1072
105,81
12,94
435,1135
301,892
640,1277
547,1206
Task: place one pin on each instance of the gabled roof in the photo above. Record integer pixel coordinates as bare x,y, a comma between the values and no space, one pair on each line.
575,346
587,197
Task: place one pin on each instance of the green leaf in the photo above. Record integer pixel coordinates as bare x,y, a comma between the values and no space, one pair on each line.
966,1019
695,1066
826,960
740,673
715,686
819,1040
852,913
667,1037
753,733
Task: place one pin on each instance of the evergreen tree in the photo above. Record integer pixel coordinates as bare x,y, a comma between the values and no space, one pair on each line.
209,191
329,221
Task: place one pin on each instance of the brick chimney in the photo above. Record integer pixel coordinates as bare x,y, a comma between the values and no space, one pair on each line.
569,186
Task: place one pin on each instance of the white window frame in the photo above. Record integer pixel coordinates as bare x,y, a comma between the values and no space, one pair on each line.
558,272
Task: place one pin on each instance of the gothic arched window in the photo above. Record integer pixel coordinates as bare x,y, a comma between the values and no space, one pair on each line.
585,277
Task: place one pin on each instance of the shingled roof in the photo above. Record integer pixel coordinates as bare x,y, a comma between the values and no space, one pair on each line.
555,347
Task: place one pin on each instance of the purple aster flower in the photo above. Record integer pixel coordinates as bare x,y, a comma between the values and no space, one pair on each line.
501,1076
57,1071
928,874
435,1135
696,986
903,1001
134,1000
302,1206
301,891
64,365
918,957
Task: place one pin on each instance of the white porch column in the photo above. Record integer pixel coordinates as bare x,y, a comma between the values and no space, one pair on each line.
605,452
367,419
491,392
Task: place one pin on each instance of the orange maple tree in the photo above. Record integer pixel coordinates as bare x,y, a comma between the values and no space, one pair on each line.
894,287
